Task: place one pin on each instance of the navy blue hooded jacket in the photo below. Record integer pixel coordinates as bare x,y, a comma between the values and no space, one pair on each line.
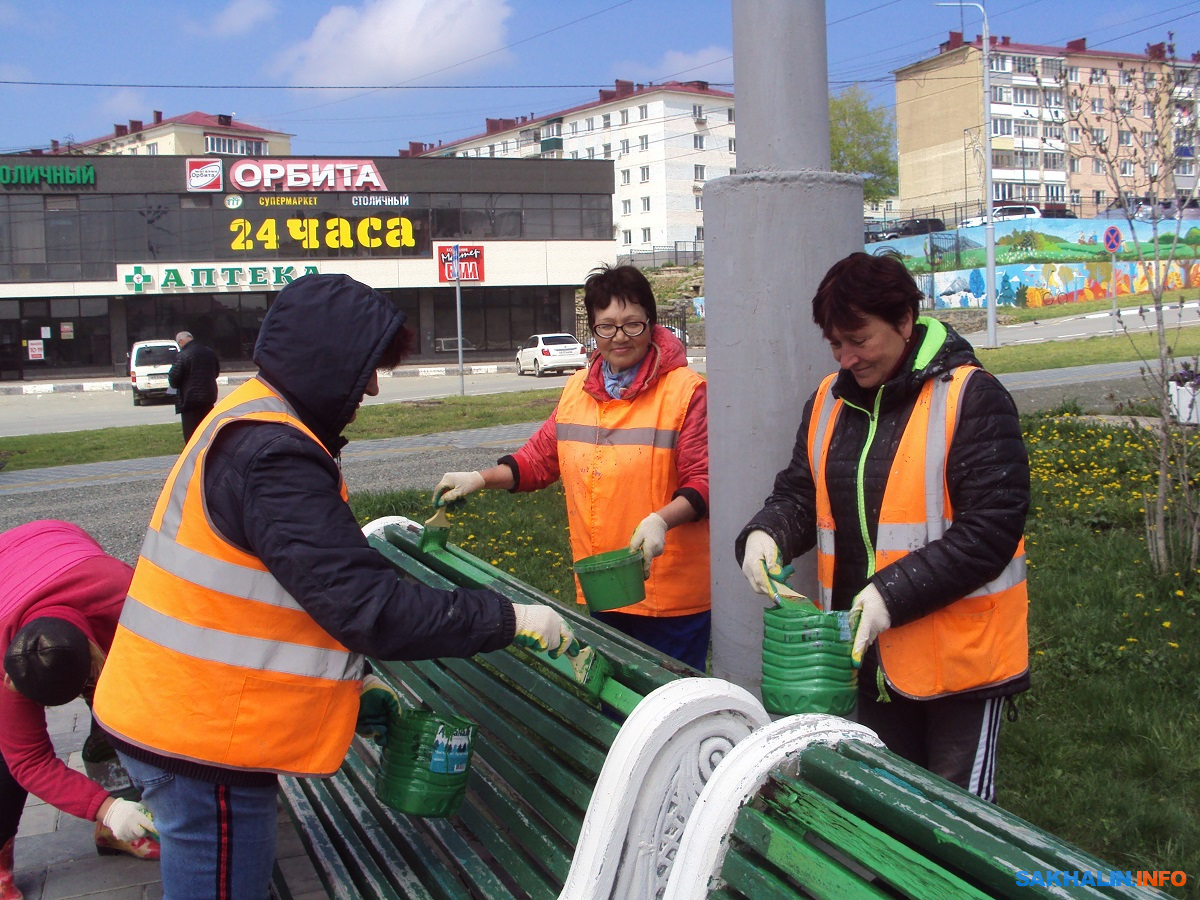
272,492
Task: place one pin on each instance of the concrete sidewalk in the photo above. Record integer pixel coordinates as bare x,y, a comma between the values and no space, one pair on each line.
56,856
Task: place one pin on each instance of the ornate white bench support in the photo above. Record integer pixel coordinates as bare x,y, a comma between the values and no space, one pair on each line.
736,780
654,772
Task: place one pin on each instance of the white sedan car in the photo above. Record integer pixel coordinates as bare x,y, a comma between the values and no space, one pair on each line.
544,353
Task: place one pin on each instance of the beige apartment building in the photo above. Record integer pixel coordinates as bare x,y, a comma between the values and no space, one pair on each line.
1051,108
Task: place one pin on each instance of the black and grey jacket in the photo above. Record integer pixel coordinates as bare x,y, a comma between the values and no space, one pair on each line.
987,475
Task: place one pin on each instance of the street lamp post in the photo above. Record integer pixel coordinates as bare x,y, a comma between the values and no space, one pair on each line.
989,228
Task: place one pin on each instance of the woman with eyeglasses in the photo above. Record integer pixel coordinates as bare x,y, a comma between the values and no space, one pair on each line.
629,439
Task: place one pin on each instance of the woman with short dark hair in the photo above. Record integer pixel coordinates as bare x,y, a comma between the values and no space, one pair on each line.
629,439
910,477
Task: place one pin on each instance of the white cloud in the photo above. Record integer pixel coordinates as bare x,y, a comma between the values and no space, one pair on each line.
390,41
241,17
119,106
713,64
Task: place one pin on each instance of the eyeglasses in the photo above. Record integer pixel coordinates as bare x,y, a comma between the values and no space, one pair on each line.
608,330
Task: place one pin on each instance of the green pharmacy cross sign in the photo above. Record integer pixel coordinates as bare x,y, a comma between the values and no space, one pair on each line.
138,279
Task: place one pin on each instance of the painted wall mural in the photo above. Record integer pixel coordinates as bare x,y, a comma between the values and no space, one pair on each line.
1043,262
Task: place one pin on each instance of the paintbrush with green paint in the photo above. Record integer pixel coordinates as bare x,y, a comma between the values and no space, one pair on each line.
437,527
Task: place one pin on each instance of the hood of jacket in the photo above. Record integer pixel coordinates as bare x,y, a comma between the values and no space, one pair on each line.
666,353
319,345
937,350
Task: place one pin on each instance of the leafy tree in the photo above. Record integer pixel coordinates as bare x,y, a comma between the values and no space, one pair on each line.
1143,131
862,141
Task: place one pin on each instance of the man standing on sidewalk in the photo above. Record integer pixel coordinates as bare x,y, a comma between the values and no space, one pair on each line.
194,378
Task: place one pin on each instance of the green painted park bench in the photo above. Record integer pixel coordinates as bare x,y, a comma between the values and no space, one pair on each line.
561,797
815,806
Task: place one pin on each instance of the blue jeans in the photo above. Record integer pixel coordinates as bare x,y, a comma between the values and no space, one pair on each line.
683,637
218,841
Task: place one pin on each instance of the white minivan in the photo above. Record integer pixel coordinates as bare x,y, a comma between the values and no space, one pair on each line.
149,363
1003,214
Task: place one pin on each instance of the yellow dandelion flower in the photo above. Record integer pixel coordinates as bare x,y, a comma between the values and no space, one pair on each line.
1167,624
1131,640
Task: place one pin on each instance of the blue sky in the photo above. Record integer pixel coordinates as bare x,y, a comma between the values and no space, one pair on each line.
456,61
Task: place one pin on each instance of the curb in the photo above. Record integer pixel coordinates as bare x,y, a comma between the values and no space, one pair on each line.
101,385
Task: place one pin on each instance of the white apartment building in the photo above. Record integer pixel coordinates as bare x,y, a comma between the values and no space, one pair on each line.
665,141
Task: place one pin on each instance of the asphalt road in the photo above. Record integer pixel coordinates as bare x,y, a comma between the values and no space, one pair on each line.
86,410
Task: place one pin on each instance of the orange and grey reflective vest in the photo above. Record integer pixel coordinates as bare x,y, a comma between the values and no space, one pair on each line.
977,641
617,463
213,661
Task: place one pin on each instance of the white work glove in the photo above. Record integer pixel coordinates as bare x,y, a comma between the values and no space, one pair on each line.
651,538
760,550
455,486
873,619
128,821
541,628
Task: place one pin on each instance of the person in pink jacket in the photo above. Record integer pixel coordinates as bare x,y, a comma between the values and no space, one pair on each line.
60,599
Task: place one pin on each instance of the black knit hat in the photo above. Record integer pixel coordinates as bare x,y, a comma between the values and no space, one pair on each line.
49,661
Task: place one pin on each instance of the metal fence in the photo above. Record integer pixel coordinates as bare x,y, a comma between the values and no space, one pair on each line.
683,253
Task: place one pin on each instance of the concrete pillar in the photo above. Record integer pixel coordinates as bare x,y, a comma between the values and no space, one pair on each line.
771,232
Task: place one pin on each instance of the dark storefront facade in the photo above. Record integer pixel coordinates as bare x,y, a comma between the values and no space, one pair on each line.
99,252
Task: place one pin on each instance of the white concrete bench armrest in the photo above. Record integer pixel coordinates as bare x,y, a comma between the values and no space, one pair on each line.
654,772
734,783
375,526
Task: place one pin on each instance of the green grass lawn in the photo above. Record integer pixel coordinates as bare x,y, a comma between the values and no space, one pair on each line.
1104,752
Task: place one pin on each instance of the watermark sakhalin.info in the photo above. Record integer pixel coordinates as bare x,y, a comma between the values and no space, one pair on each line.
1111,878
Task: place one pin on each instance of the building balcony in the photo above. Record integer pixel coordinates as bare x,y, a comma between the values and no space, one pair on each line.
553,143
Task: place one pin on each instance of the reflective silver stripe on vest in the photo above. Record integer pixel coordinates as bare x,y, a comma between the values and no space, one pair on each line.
826,540
660,439
239,650
935,463
173,514
828,402
1013,574
214,574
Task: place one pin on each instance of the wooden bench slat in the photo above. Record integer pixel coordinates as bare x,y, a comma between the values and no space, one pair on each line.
364,875
557,725
440,856
891,860
516,865
330,869
987,859
1059,855
774,846
750,881
499,734
366,839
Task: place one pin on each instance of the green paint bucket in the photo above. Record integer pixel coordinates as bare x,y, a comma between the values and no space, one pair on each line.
425,764
806,664
611,580
792,700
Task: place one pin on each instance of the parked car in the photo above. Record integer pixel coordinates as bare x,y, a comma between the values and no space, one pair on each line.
878,231
544,353
149,363
450,345
1004,214
1057,212
905,227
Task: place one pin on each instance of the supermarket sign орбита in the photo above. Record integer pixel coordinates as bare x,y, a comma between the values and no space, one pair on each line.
205,174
